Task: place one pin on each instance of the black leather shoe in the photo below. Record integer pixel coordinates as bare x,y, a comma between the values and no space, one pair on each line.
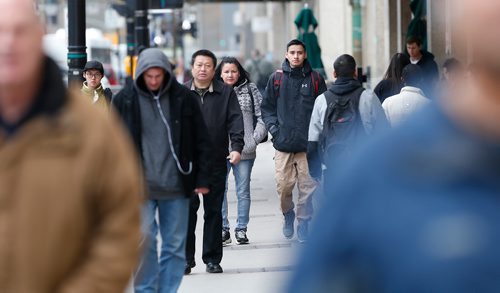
189,266
214,268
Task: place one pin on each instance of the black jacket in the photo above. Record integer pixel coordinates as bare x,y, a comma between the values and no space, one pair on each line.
286,110
222,113
430,71
190,136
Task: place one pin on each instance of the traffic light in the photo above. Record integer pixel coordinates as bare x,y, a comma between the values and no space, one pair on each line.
165,4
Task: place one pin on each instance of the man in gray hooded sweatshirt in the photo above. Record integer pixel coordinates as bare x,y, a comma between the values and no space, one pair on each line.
169,132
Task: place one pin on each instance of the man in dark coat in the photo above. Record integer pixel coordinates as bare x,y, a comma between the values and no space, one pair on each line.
222,113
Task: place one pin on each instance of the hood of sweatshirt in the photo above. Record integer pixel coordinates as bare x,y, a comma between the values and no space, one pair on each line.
151,58
343,86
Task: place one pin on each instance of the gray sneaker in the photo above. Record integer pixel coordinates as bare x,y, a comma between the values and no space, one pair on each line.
288,228
241,236
302,230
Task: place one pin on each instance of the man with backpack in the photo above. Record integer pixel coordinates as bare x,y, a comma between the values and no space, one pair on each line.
342,117
286,111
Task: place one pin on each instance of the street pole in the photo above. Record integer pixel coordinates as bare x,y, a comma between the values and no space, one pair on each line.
77,54
131,42
141,24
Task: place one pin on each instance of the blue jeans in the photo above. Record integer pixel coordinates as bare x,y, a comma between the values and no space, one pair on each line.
164,274
242,172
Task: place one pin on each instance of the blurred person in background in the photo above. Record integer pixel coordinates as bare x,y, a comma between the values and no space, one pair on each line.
170,135
419,209
425,60
259,69
392,84
411,99
181,73
69,203
453,73
233,74
93,72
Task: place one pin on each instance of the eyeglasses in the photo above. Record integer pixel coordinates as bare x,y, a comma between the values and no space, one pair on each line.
96,75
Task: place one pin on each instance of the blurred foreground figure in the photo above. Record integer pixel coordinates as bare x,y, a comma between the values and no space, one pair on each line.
69,184
419,210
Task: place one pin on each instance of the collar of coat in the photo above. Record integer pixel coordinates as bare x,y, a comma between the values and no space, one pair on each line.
50,97
53,94
215,86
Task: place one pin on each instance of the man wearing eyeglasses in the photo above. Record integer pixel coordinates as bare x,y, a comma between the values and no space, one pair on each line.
92,86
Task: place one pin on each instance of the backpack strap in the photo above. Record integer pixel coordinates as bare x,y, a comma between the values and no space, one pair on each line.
315,78
278,79
108,94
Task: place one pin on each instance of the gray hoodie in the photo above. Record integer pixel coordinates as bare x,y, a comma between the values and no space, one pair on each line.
160,169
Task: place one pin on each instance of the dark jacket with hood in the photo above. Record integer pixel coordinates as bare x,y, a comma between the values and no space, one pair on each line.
286,110
186,134
430,71
223,118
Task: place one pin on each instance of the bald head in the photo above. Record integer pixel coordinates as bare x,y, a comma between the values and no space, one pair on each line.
21,33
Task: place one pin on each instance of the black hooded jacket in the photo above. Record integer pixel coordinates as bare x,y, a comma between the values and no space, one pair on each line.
286,110
430,71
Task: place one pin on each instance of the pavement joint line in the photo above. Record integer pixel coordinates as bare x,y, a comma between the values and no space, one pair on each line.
258,270
257,246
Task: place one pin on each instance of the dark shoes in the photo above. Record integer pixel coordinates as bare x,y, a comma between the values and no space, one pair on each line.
226,237
241,236
214,268
189,266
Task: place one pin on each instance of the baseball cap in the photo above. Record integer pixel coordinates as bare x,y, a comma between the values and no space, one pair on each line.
96,65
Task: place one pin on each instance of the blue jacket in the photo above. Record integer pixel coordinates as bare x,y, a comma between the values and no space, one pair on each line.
418,211
287,110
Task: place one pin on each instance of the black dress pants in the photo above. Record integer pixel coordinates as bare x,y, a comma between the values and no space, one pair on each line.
212,228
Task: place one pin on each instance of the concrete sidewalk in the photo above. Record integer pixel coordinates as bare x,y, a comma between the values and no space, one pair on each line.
264,264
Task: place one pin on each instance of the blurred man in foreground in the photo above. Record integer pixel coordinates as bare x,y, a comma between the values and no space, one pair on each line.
69,204
419,210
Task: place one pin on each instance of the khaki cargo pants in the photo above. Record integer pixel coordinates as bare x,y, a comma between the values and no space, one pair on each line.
292,168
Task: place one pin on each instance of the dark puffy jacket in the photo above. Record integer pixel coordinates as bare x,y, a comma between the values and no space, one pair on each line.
223,117
287,113
189,132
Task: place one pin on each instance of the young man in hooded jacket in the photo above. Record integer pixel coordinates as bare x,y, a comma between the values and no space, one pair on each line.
168,129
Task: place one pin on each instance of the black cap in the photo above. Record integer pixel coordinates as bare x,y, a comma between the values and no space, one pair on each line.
94,65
